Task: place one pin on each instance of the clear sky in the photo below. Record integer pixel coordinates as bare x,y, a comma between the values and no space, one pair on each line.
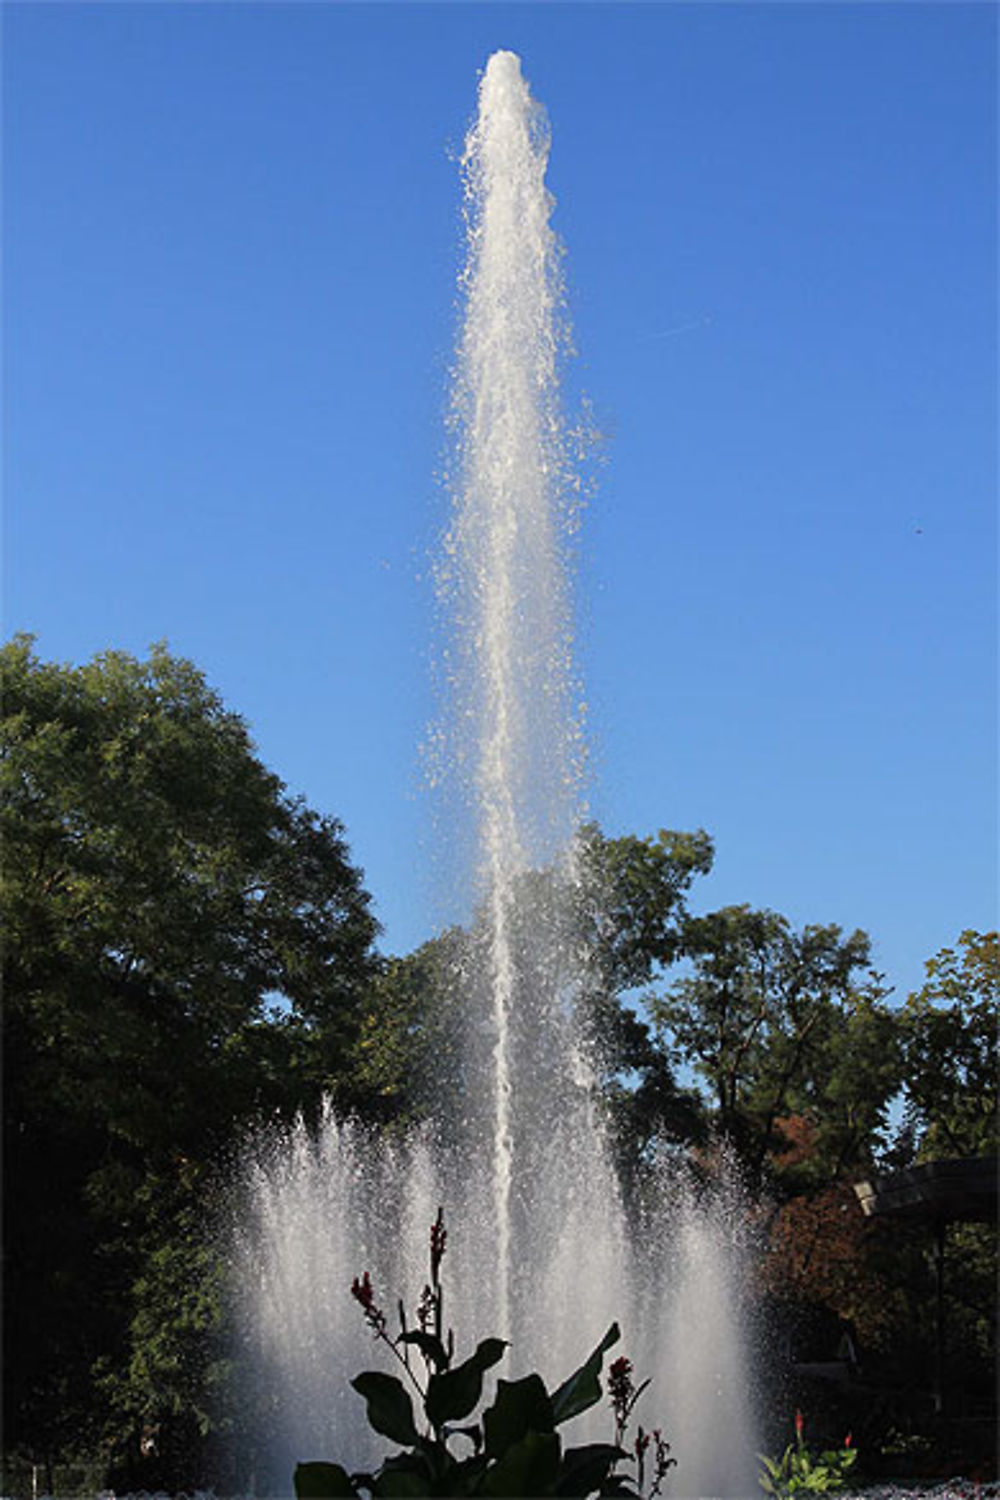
231,237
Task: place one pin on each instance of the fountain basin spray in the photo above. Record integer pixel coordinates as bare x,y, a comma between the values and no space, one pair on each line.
542,1250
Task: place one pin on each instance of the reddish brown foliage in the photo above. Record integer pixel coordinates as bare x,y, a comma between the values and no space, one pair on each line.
819,1251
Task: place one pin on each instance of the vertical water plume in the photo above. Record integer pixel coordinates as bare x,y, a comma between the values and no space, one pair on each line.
506,584
543,1247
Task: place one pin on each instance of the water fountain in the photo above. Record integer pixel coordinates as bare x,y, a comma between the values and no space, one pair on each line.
541,1248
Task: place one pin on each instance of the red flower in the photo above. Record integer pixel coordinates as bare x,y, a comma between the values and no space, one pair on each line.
620,1380
362,1291
621,1390
800,1422
847,1441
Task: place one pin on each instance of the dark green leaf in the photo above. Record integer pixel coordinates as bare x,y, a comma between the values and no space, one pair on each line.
390,1410
414,1473
401,1485
528,1468
583,1389
428,1344
400,1482
455,1393
521,1406
419,1461
322,1482
463,1479
583,1470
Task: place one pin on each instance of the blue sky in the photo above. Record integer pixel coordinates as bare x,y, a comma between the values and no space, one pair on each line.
230,248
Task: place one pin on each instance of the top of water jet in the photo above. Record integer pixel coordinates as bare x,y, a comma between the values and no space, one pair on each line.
503,86
502,62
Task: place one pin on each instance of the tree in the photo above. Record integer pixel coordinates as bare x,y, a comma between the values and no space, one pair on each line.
824,1261
410,1032
820,1255
630,903
777,1021
950,1044
629,911
187,947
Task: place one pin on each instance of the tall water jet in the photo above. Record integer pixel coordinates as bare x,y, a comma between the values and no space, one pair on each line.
512,727
543,1248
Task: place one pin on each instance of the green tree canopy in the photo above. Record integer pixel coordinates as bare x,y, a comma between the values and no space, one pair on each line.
777,1021
147,845
630,902
187,946
951,1051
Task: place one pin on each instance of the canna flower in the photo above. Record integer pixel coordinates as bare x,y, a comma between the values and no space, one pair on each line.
364,1293
620,1380
621,1390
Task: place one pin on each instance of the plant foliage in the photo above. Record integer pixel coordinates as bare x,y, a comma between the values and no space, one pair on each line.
800,1472
516,1446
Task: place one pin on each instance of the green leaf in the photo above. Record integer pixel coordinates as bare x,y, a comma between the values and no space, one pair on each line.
400,1482
529,1467
406,1474
463,1478
521,1406
584,1470
453,1394
401,1485
583,1389
323,1482
428,1344
390,1410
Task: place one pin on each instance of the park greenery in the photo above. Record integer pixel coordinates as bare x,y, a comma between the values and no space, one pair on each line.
190,954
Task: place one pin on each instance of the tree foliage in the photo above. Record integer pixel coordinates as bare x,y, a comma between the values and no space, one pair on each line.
187,947
409,1030
775,1020
821,1252
951,1051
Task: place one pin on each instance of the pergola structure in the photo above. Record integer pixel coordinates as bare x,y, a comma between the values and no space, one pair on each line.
939,1193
